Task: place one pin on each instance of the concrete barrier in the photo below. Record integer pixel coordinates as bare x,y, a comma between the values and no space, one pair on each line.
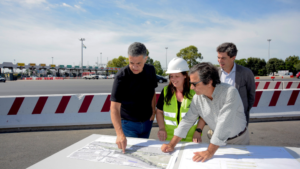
94,109
276,103
291,85
268,85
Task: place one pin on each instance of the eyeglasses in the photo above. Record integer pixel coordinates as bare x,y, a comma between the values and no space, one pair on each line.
195,83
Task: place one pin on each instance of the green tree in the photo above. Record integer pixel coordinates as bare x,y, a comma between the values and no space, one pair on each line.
297,66
217,65
121,61
274,64
149,61
242,62
191,55
290,62
158,68
257,66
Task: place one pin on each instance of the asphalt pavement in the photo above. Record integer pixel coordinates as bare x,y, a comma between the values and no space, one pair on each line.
71,86
19,150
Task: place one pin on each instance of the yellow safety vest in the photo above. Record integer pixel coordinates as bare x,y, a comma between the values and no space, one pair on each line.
170,115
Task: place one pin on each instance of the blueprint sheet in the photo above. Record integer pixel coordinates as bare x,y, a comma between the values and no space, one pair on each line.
139,153
239,157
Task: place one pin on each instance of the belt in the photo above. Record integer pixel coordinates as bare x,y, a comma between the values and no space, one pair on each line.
242,132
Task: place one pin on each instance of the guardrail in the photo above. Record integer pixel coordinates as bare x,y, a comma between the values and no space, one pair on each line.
90,109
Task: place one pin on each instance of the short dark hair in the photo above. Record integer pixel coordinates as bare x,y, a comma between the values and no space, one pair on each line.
206,72
229,48
137,49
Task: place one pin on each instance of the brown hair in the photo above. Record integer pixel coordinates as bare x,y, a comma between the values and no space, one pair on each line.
171,89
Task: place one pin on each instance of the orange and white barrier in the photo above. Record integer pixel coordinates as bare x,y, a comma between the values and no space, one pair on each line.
291,85
54,110
88,109
276,103
268,85
59,78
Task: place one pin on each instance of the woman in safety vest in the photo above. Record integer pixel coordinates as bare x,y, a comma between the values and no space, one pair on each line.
174,102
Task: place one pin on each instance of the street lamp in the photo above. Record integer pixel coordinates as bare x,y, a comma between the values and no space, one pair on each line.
100,59
82,39
166,59
269,47
52,60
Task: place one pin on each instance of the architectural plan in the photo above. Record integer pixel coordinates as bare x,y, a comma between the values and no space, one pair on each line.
239,157
139,153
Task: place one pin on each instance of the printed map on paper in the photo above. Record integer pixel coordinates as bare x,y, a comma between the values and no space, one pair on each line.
141,154
239,157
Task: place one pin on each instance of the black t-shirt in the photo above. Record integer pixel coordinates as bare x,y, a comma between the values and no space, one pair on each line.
135,93
160,104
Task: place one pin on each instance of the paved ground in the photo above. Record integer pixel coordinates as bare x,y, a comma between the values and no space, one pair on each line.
74,86
21,150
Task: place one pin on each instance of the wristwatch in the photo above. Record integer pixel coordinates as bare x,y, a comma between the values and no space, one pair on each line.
199,130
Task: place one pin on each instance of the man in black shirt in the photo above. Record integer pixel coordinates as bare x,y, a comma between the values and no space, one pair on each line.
133,97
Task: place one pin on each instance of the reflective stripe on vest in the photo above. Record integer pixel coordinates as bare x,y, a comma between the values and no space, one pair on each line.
169,122
169,114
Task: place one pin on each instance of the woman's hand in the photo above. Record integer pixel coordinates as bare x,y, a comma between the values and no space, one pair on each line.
162,134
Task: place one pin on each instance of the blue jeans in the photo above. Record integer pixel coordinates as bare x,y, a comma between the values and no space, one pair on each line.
137,129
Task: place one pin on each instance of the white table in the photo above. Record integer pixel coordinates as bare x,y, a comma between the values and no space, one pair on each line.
60,159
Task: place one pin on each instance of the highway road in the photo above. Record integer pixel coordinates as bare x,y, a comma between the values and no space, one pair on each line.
20,150
74,86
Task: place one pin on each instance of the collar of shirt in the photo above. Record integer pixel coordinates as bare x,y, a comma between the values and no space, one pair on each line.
232,70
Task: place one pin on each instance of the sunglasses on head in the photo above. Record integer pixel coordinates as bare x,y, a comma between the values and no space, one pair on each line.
195,83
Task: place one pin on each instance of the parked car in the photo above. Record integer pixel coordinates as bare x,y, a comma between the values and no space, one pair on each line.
102,77
90,77
2,79
298,75
161,79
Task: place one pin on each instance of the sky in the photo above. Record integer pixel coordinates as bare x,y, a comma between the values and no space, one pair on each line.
34,31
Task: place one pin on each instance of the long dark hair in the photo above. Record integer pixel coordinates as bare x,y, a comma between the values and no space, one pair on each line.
186,89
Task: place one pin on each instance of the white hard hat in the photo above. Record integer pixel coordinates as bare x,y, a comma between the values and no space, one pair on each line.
177,65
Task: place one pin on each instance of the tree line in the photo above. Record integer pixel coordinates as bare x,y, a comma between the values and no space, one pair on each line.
260,67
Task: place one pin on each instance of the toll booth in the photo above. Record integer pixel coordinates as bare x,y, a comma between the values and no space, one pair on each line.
21,66
32,67
96,69
90,68
60,67
70,69
11,66
0,69
53,67
77,68
43,67
82,70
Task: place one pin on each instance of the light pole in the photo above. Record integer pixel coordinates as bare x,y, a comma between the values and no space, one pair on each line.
269,47
100,59
52,60
166,59
82,39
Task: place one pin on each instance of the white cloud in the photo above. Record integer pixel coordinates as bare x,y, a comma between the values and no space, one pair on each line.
35,1
28,40
66,5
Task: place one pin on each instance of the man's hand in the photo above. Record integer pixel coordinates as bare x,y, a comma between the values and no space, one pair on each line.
197,137
166,148
202,156
162,134
121,142
153,116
